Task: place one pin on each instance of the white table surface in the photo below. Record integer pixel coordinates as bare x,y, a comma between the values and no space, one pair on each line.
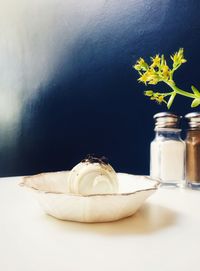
163,235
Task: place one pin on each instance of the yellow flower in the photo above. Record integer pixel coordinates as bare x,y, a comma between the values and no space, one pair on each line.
141,61
158,98
141,65
159,71
165,71
152,77
143,78
155,61
178,58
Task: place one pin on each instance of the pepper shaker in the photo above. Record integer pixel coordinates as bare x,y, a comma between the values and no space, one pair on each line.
193,150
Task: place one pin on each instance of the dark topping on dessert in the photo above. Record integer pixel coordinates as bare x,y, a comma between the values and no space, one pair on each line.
92,159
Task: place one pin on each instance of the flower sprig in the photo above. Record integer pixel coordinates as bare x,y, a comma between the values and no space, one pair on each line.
159,71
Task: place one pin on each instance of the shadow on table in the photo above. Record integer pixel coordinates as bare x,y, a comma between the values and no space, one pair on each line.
148,219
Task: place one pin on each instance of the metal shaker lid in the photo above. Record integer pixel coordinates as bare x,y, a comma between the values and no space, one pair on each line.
193,119
166,120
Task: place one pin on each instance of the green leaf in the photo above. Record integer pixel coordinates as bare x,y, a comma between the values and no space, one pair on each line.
196,91
171,99
195,103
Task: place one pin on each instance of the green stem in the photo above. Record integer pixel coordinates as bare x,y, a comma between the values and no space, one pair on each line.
165,94
171,99
181,92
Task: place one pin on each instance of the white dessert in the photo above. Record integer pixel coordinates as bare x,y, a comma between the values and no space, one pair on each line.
88,178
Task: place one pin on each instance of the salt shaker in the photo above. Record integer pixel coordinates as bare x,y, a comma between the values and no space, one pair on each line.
167,151
193,150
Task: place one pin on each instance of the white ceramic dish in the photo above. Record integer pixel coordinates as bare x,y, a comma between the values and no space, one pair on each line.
50,189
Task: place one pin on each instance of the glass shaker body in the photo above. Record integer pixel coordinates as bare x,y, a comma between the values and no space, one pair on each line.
167,151
193,150
193,158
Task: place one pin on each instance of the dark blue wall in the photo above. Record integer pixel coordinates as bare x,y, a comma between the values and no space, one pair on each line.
92,103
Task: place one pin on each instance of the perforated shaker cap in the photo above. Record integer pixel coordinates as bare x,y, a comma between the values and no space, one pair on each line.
166,120
193,120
